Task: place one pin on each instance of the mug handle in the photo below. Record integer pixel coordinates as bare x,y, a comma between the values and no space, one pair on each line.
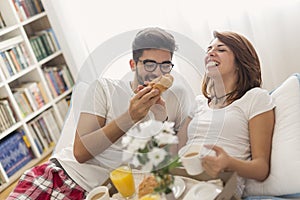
111,188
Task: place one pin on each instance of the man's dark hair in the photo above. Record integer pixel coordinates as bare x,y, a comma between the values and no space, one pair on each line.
152,38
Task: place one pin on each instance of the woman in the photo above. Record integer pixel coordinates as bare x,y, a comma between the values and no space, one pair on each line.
234,117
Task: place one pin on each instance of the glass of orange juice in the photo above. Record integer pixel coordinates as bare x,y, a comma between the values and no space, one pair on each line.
122,179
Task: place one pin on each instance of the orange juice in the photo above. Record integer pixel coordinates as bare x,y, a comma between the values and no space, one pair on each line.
122,179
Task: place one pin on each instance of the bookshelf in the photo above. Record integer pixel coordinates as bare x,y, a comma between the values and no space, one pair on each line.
35,87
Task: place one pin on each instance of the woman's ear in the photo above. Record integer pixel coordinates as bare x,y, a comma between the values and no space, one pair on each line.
132,65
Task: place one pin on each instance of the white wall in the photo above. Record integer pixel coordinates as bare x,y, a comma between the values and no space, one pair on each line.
272,26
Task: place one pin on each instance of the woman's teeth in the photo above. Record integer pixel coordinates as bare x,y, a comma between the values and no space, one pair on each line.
212,64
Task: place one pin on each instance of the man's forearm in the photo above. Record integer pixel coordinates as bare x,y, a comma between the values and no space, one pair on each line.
89,145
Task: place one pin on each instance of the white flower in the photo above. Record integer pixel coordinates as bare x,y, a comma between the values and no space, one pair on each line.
136,144
148,137
147,168
145,146
157,155
166,138
135,161
168,127
151,127
145,130
126,140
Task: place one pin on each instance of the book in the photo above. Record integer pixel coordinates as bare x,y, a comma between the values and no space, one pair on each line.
4,67
59,79
66,83
36,48
41,46
43,92
51,45
38,6
43,128
10,62
26,140
20,10
3,123
54,121
63,108
67,76
17,97
4,118
17,57
8,108
22,4
50,84
52,80
53,38
23,88
14,60
46,44
20,56
51,124
31,7
5,64
14,153
42,131
42,140
24,53
35,139
35,93
23,103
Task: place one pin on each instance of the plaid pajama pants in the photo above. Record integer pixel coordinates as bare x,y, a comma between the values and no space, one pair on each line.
46,181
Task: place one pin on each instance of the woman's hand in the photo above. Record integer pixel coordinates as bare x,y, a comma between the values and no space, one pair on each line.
213,165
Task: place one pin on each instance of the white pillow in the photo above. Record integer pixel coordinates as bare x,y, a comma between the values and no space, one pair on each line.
284,176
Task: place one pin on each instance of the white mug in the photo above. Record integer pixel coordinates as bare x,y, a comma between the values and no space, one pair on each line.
190,156
98,193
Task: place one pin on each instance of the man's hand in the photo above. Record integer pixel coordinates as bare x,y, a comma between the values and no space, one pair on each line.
141,103
159,108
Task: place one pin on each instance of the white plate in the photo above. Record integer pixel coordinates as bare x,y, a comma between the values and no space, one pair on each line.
203,190
178,187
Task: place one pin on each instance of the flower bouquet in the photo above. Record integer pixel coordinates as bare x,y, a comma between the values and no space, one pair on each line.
147,146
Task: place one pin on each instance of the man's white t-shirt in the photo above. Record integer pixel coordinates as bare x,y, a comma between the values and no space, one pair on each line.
228,127
109,99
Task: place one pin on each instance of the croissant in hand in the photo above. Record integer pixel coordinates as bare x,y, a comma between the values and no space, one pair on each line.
162,83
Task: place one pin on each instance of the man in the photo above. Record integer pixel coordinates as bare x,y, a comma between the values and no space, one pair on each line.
90,146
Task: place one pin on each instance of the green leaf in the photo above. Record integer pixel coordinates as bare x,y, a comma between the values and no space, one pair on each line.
143,159
175,163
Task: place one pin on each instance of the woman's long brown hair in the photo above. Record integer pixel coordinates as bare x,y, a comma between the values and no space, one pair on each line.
247,62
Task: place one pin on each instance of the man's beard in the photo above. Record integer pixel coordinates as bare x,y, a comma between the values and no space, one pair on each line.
148,77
